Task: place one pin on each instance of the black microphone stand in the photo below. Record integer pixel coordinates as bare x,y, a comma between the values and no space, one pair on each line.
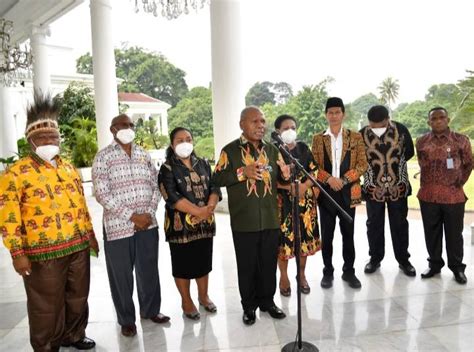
295,166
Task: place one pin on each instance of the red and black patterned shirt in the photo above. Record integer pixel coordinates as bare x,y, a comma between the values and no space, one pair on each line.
440,184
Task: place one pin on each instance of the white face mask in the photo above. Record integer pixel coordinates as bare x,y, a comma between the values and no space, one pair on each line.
183,150
288,136
126,136
47,152
379,131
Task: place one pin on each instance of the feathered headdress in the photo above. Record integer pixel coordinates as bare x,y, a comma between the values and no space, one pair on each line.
42,115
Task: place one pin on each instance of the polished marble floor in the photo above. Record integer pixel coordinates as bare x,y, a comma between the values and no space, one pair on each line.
391,312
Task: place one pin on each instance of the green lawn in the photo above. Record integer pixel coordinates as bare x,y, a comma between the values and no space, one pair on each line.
413,168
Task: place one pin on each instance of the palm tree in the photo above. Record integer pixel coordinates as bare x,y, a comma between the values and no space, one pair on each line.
388,90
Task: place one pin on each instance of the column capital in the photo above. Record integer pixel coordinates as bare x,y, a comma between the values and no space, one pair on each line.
44,31
105,3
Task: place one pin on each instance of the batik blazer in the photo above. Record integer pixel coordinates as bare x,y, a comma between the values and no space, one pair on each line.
43,212
353,144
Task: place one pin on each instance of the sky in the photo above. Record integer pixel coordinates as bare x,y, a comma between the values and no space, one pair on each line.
357,42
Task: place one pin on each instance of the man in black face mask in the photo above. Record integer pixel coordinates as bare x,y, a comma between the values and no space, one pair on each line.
125,183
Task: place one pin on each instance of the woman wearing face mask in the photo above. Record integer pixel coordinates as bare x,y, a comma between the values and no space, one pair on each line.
185,183
285,125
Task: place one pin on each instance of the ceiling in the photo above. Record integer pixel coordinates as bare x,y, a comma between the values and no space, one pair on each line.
26,14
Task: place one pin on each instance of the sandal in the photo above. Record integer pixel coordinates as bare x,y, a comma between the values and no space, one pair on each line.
305,289
286,292
211,307
193,315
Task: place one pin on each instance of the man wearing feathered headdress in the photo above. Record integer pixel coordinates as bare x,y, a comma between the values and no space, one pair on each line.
47,229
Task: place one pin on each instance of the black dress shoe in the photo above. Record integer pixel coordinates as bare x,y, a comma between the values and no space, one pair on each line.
83,344
430,272
129,330
460,277
275,312
249,317
352,280
407,269
326,281
371,267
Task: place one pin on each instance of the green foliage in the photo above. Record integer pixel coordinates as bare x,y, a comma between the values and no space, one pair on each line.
82,143
262,93
357,110
204,148
463,120
445,95
283,92
144,72
194,112
414,117
77,124
24,148
388,91
76,100
308,108
7,161
148,136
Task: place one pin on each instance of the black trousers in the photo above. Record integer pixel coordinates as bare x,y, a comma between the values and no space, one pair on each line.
327,215
256,254
121,256
451,218
397,217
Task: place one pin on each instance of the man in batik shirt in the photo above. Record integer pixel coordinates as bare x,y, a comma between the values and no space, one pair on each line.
445,159
47,228
388,146
248,167
126,185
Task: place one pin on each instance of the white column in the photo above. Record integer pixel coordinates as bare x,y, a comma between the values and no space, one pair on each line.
39,48
164,123
103,58
8,133
228,96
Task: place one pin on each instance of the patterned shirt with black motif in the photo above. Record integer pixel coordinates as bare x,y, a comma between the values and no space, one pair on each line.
176,182
386,178
43,212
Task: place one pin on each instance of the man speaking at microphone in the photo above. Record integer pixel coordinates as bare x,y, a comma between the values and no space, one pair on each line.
249,168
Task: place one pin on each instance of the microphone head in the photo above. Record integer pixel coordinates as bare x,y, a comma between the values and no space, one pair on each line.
276,137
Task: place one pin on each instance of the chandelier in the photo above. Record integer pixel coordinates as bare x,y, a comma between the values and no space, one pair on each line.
170,9
15,63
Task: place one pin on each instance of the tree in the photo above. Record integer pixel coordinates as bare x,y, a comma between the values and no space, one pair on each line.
283,92
148,136
77,124
465,112
308,108
82,142
357,110
388,90
194,111
144,72
260,94
414,116
76,100
204,148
